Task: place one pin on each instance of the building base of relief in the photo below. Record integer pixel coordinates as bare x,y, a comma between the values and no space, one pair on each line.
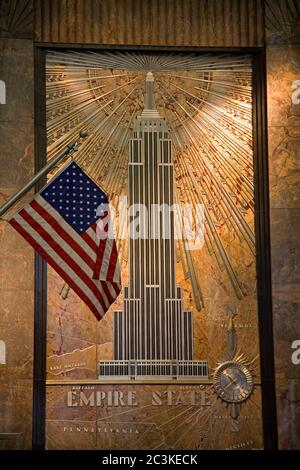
155,370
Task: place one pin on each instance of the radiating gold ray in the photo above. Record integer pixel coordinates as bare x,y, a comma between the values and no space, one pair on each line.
207,102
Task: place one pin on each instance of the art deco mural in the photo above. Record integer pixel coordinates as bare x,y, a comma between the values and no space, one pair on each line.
175,361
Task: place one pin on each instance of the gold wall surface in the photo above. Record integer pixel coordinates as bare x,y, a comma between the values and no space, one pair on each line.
219,23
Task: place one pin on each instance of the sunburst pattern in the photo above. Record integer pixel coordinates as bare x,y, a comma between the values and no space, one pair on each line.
282,21
16,17
207,101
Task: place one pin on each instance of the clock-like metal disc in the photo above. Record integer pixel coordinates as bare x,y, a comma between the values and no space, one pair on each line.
233,382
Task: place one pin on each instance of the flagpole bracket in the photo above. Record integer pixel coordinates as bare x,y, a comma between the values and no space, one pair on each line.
48,167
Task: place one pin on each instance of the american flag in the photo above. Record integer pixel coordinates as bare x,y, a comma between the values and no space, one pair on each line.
62,224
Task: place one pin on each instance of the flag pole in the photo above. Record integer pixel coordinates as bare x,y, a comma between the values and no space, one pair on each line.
57,158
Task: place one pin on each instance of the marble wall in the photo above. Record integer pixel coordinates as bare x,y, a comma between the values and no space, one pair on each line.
16,257
283,69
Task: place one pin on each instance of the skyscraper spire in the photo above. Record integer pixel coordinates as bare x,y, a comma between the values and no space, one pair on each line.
149,97
150,110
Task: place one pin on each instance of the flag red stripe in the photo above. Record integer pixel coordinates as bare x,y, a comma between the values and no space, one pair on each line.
65,256
107,291
63,234
117,287
55,266
90,238
87,238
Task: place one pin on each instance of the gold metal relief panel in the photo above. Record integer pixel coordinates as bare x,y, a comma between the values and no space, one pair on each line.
148,417
207,103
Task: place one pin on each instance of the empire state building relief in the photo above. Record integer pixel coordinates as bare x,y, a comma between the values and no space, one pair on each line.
153,336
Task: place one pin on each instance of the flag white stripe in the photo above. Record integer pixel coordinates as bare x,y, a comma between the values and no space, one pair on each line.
106,257
111,289
117,274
